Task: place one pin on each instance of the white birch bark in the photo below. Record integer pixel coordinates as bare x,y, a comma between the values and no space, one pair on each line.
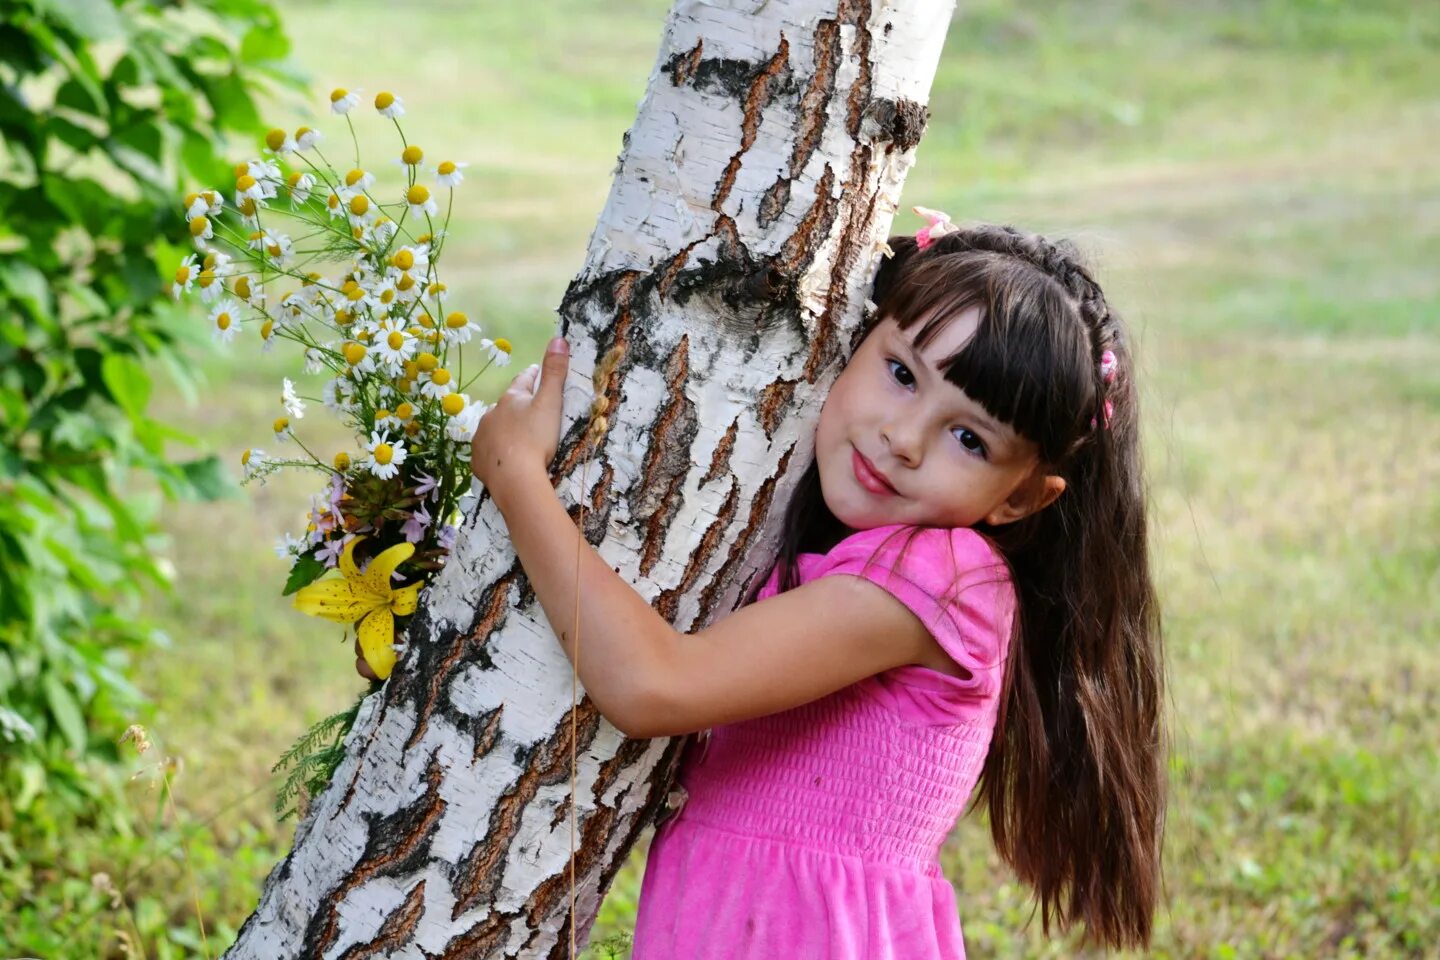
724,281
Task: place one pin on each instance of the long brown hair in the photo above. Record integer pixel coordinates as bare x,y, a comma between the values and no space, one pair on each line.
1075,779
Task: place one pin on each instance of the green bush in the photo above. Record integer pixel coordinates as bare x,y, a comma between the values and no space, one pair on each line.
107,110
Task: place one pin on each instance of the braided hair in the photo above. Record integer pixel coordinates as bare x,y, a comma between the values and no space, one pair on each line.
1075,777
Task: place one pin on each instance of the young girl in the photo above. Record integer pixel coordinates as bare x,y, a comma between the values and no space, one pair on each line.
962,606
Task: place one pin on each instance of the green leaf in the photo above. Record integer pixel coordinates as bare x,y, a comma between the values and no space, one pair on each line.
65,710
92,19
28,285
208,479
128,382
264,42
305,572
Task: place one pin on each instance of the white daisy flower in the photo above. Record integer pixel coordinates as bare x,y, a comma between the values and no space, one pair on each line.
419,202
305,138
252,188
355,182
384,457
291,400
225,320
300,185
458,328
461,428
281,426
386,420
314,360
389,105
279,143
499,350
253,461
437,384
185,275
408,258
335,205
393,345
211,286
264,170
407,288
382,230
289,547
384,294
278,248
338,395
448,174
342,101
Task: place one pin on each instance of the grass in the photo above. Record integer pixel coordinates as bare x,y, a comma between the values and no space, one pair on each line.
1256,185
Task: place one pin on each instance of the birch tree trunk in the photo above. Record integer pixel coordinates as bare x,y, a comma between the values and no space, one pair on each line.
721,291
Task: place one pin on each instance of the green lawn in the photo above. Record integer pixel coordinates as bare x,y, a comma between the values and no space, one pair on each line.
1257,186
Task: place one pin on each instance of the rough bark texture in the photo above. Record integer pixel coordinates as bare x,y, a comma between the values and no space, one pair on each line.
722,289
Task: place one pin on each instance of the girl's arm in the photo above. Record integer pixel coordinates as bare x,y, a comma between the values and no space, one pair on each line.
644,676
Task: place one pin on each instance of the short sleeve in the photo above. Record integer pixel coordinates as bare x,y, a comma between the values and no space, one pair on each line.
952,579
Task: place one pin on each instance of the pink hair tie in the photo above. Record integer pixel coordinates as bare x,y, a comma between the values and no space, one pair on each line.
939,226
1108,363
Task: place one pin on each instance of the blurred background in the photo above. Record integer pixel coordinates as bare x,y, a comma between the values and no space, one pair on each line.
1255,184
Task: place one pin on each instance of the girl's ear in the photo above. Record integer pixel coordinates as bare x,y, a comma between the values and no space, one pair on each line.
1034,494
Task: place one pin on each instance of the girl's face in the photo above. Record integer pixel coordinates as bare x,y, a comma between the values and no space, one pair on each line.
898,443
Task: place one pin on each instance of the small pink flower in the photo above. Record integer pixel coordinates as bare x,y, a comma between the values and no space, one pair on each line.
426,485
939,226
414,528
1108,363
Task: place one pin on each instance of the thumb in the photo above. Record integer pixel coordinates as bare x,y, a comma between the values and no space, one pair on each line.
553,369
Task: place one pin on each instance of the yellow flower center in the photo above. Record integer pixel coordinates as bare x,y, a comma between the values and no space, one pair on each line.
342,461
354,177
427,361
241,169
412,369
452,404
182,276
333,201
403,259
311,279
354,353
381,414
294,179
427,321
343,317
387,295
206,278
245,458
222,320
412,155
456,320
198,226
257,235
355,295
436,288
423,238
384,99
357,232
273,249
418,194
502,345
244,183
406,282
275,139
338,94
281,424
396,340
190,199
266,329
247,206
242,288
440,375
384,453
404,411
446,168
413,427
303,132
359,205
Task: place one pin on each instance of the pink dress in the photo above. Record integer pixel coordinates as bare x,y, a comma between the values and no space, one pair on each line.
814,833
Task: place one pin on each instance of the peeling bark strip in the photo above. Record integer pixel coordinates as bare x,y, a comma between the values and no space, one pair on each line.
719,294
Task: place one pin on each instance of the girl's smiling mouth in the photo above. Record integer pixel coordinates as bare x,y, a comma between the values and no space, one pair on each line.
870,478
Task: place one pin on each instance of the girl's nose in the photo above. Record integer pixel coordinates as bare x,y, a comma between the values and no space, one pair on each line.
903,441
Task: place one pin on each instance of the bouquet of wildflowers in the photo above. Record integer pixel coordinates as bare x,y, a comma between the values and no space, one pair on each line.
379,326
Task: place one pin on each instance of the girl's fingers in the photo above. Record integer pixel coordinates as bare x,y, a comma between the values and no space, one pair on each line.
525,381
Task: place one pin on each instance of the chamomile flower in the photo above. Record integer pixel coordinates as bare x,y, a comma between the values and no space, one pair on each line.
499,350
335,205
305,138
289,547
358,357
279,248
437,384
419,201
356,181
279,143
384,458
206,203
211,286
253,461
409,258
267,171
185,275
300,184
338,395
389,105
225,320
386,420
407,288
393,346
411,156
342,101
461,427
253,188
291,400
314,360
360,211
384,293
458,328
448,174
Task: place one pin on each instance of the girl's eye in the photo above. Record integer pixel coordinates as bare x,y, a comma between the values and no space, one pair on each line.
970,440
901,373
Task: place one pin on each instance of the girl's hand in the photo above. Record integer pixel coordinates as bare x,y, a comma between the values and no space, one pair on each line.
520,433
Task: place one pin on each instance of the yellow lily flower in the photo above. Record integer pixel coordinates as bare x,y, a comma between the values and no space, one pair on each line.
365,597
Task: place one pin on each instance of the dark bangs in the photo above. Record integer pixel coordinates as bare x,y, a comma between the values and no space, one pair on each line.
1025,369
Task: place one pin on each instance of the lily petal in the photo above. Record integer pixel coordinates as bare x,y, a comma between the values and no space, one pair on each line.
377,638
377,575
347,560
343,601
404,601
